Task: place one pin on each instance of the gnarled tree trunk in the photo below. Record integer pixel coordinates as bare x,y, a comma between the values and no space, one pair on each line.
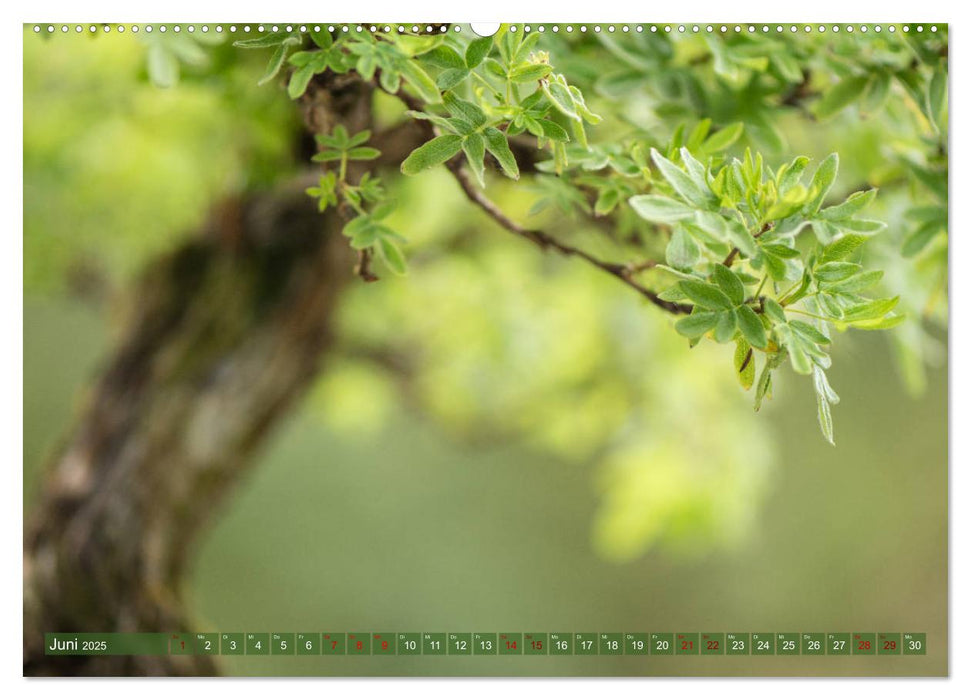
223,336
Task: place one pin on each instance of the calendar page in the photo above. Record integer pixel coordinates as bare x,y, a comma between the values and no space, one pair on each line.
525,349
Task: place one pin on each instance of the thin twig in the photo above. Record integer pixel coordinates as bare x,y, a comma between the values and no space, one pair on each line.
625,273
735,251
363,267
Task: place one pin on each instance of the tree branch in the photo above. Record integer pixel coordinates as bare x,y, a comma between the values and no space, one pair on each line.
625,273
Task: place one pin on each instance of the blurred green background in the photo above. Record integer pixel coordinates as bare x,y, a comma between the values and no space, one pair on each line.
381,517
413,532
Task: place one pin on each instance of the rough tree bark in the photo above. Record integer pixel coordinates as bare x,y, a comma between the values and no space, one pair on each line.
223,336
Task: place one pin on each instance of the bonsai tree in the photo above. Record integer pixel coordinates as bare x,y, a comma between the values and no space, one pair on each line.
645,189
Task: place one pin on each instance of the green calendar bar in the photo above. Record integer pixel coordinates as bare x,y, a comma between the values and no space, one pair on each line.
293,644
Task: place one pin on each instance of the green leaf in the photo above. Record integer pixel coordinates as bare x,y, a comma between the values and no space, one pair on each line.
729,283
474,148
937,99
448,79
681,182
918,240
581,106
781,251
607,200
725,328
327,155
723,138
855,284
660,209
552,130
809,332
681,251
359,138
706,295
751,327
363,153
262,42
841,95
853,204
323,39
867,226
697,172
498,146
392,256
277,60
697,324
823,180
880,324
443,56
776,267
790,174
744,362
562,99
525,47
163,67
299,80
741,238
436,151
799,360
774,311
464,110
476,51
383,210
835,271
418,79
824,397
529,72
842,247
870,309
764,386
